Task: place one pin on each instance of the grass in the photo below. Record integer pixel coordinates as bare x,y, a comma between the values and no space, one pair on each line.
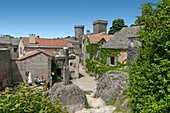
118,105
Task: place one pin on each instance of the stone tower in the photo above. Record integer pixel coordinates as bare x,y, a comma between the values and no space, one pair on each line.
99,26
79,30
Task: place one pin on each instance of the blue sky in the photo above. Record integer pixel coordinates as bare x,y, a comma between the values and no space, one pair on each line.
56,18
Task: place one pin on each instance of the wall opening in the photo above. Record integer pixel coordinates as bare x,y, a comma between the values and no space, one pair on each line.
112,59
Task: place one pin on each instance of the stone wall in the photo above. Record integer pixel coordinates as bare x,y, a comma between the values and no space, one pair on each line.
79,30
47,49
74,67
99,26
5,70
132,52
122,56
39,65
14,52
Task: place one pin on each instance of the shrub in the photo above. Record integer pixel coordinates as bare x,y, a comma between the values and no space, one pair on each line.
149,90
26,99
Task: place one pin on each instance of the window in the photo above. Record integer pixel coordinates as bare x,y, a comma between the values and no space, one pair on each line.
112,60
71,64
15,49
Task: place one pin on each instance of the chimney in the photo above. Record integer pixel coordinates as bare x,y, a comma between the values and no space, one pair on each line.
100,26
79,30
32,38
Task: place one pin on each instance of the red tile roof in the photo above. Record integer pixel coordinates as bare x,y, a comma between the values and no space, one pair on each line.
31,53
95,38
45,42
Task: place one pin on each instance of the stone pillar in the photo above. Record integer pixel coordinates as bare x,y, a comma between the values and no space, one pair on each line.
66,68
77,67
107,61
115,61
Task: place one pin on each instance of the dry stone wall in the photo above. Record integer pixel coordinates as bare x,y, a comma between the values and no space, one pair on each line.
5,70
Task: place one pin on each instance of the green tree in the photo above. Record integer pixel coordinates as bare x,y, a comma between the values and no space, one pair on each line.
117,25
27,99
149,89
147,9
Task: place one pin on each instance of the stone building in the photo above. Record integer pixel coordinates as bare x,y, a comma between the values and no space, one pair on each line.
100,38
99,26
76,41
11,43
120,41
27,44
5,68
38,62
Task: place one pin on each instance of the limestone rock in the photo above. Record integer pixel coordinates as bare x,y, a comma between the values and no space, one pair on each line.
125,104
71,96
111,86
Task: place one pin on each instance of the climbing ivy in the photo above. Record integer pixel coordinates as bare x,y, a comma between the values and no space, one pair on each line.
92,49
97,65
108,53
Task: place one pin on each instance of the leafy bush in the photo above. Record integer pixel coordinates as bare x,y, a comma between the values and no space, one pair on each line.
149,90
26,99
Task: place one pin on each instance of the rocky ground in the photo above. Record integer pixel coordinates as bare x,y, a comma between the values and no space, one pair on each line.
95,105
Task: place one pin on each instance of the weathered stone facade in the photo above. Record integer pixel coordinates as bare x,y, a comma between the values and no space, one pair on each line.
132,49
79,30
99,26
122,57
74,67
39,65
5,70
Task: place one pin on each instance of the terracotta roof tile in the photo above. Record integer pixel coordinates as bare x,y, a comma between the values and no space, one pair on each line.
95,38
45,42
31,53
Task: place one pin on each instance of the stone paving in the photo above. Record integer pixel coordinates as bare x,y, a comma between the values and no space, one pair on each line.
87,83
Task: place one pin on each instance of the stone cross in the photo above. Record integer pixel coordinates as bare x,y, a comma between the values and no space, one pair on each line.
65,67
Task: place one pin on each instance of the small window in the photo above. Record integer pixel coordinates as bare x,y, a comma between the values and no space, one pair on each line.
112,60
71,64
15,49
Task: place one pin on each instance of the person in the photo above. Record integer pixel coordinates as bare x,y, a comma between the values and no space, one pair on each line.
37,80
29,78
42,80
